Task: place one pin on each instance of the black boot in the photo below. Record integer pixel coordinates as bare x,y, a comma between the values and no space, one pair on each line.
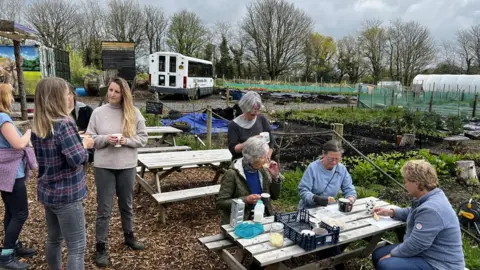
101,259
132,242
10,262
24,252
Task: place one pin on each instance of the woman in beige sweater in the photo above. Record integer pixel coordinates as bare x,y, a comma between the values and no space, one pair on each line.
118,129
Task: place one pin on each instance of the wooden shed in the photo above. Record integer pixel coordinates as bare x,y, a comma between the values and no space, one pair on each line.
120,56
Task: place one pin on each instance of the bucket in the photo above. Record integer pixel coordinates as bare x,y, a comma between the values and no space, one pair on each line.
81,91
236,95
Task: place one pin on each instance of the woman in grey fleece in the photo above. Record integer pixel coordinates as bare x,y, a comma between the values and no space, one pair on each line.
115,162
433,239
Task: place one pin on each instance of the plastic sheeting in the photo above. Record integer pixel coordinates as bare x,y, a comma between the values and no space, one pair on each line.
435,82
198,123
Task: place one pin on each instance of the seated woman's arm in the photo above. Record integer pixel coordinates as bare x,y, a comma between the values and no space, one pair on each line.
305,187
227,189
348,190
427,225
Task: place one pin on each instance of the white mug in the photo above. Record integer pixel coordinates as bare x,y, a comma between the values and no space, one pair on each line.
119,137
265,136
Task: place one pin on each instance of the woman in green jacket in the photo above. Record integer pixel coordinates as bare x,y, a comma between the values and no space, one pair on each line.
247,178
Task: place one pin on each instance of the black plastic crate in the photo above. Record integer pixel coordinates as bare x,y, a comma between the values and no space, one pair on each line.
295,222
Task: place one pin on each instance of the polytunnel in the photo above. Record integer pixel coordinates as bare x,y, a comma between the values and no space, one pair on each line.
445,82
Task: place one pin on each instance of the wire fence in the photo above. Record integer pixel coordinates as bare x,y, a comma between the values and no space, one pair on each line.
444,102
287,86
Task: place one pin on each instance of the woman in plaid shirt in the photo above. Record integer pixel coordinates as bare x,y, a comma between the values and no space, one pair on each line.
61,180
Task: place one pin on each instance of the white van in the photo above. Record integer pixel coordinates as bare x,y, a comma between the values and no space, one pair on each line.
174,73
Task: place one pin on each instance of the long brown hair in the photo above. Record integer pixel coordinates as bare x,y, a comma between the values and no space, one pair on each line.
6,96
129,127
50,104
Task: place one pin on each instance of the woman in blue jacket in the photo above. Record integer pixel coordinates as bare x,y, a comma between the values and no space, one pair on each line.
433,239
324,178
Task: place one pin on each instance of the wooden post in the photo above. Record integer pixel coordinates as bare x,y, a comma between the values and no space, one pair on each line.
338,128
227,94
431,99
21,84
393,98
209,127
474,105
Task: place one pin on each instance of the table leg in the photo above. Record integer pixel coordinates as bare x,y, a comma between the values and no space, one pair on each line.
232,261
173,140
163,213
371,245
157,179
142,174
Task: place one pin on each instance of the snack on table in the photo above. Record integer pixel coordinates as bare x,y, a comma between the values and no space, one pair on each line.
376,217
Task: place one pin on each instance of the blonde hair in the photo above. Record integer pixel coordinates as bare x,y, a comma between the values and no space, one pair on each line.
6,96
129,127
50,105
420,172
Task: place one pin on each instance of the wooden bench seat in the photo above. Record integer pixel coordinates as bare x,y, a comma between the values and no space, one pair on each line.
157,137
216,243
163,149
139,168
186,194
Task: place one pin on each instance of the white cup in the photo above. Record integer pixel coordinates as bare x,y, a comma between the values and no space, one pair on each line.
119,137
265,136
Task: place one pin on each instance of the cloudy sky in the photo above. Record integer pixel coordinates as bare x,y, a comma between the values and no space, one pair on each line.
338,18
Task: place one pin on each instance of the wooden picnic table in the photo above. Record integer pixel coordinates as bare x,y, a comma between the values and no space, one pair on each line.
163,164
358,225
164,132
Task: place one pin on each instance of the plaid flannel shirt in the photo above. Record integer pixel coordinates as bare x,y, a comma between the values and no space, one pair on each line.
60,157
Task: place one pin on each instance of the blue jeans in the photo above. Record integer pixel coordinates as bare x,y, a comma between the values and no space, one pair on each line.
66,221
394,263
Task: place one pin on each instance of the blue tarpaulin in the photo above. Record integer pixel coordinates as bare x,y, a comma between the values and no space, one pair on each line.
198,123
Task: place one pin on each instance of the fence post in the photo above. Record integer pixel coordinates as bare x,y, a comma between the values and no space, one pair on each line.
474,111
337,127
227,94
209,127
431,99
393,97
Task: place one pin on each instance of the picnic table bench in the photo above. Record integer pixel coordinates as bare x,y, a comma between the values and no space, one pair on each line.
164,133
163,164
145,150
358,225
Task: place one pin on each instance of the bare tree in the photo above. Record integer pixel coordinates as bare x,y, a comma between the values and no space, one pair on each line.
448,53
475,44
186,33
155,25
349,59
373,39
124,21
11,9
90,32
276,31
465,49
411,49
54,20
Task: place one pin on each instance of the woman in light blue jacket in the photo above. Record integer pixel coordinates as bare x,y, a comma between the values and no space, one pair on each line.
324,178
433,239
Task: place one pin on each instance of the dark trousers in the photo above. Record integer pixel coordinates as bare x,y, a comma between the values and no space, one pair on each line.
16,212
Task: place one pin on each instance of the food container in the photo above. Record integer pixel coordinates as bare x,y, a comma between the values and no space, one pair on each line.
276,234
345,205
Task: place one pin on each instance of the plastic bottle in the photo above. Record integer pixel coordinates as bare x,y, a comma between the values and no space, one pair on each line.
258,211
